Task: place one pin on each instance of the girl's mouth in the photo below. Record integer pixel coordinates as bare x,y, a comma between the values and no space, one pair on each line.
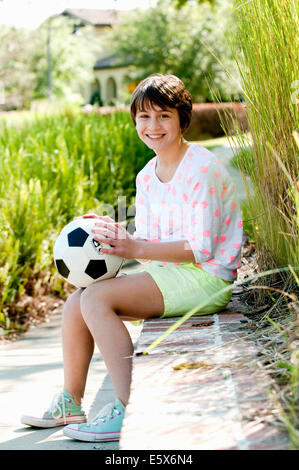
155,136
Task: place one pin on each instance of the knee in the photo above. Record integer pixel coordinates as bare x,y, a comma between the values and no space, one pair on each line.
89,300
93,299
71,307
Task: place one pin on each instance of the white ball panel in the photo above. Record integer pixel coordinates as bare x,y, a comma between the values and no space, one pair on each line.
113,263
79,279
75,258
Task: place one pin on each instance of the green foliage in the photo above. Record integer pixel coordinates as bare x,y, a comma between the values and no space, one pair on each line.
188,42
55,167
244,160
24,63
71,57
16,74
181,3
268,73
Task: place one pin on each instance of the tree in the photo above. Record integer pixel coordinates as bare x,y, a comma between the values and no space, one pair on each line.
188,42
72,57
16,76
23,61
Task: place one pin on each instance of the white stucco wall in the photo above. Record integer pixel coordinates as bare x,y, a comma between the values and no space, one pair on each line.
105,79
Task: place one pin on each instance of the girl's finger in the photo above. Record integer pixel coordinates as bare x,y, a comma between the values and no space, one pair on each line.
104,231
109,252
106,225
106,217
105,241
95,216
86,216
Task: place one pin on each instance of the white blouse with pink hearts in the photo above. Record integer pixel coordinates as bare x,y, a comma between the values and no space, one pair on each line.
199,205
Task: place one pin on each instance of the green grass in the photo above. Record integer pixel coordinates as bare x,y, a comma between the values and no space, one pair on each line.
241,156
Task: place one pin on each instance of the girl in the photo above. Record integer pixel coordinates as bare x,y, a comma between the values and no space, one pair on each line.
188,235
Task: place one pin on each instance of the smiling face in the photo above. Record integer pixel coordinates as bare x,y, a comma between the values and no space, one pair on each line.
159,128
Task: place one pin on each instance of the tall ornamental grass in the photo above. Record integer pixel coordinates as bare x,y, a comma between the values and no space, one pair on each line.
54,167
266,50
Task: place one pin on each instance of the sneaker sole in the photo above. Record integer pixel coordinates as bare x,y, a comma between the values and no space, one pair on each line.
51,423
91,436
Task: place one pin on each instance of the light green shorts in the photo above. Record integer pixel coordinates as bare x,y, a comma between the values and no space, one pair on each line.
187,286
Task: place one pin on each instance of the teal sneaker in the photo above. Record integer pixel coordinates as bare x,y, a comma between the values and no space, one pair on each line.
63,410
105,426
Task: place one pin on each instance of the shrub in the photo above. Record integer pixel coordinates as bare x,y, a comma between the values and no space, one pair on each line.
208,120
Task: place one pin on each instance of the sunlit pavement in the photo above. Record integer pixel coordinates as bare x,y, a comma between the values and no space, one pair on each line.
31,372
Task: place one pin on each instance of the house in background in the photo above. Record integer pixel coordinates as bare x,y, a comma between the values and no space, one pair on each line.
111,79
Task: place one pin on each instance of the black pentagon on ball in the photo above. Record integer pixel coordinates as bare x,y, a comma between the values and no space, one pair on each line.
96,268
77,237
62,268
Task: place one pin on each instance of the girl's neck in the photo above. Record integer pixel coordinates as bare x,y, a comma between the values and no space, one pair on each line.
172,156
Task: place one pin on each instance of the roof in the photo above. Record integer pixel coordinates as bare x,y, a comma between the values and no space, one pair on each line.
109,62
93,17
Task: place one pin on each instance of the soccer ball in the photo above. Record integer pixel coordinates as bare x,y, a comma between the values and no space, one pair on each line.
78,256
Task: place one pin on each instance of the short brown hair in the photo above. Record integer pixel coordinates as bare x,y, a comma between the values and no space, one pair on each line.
164,91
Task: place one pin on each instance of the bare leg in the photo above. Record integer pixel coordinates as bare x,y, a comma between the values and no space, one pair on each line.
104,306
78,347
115,345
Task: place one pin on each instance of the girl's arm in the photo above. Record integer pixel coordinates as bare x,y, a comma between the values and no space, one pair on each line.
177,251
141,240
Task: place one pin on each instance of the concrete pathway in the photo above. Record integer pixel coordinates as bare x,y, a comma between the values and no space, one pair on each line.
31,372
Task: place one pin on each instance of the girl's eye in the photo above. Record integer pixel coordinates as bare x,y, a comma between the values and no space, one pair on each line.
164,116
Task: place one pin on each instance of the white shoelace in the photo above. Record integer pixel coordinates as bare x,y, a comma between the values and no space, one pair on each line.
58,400
105,412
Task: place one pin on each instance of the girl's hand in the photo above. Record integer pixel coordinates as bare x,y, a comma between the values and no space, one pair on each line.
95,216
123,244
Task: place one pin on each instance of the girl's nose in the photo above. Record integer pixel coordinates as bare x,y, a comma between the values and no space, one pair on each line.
154,123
